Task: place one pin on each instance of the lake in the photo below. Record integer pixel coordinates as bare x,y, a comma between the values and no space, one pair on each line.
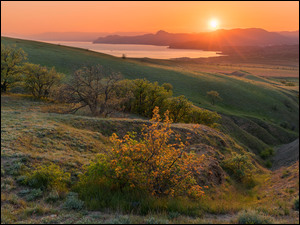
139,51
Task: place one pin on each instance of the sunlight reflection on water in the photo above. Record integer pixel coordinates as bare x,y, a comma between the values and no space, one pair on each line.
139,51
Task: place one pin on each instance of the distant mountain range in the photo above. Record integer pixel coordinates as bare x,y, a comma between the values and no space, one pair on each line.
70,36
215,40
294,34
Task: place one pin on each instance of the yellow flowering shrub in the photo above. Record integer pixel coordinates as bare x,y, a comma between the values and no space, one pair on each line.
150,163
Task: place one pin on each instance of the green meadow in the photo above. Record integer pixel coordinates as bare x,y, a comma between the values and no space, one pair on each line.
258,113
248,96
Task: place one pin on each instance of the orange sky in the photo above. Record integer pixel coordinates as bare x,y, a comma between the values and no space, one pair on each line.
37,17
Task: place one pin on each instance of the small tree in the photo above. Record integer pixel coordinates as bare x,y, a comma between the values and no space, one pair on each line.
91,86
213,96
11,59
179,108
39,80
124,95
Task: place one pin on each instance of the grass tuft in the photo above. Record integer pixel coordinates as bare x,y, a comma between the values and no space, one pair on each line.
253,217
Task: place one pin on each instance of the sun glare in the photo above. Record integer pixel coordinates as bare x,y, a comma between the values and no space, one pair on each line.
213,24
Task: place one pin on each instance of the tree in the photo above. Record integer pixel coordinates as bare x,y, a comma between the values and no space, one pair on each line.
213,96
11,59
179,108
124,95
39,80
156,97
168,87
146,96
91,86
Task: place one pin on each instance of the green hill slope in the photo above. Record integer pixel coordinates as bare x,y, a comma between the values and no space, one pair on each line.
256,99
32,136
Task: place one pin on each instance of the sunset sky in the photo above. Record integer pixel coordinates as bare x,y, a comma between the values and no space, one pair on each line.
37,17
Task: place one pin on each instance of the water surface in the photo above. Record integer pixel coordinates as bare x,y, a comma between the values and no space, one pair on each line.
139,51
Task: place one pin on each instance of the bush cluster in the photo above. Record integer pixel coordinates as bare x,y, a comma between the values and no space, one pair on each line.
151,164
36,79
144,96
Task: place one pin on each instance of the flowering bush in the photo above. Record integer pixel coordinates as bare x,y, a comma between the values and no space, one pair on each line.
151,164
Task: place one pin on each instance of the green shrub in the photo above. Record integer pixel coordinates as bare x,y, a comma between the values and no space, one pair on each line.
240,167
72,202
203,116
178,107
34,194
14,168
53,196
44,177
253,217
267,153
268,164
296,204
31,194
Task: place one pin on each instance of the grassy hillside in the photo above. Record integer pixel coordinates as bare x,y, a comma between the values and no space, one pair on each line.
247,96
31,136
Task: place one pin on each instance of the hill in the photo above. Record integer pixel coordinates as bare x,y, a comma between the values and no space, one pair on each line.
70,36
264,106
215,40
32,136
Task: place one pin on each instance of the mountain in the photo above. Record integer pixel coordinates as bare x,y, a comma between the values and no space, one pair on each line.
67,36
159,38
224,39
215,40
70,36
293,34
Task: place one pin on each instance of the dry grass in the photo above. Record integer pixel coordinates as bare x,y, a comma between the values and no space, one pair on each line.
30,135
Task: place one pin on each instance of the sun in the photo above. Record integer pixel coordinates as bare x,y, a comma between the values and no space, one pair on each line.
213,24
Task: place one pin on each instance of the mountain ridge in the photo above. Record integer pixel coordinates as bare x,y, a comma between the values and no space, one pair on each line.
215,40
